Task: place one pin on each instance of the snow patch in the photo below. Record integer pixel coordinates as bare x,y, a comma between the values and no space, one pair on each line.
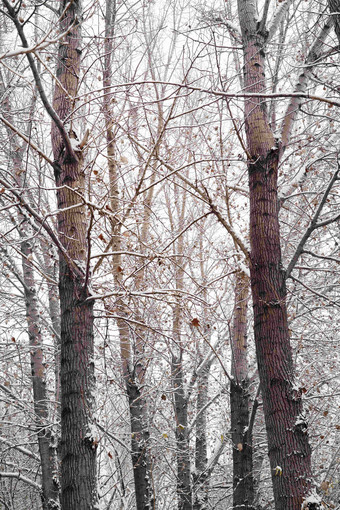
312,499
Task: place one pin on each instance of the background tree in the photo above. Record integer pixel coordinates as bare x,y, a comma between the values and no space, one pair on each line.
162,176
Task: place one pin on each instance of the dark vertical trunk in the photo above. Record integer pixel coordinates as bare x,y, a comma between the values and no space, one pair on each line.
243,481
184,486
289,451
184,492
241,434
78,446
140,439
201,476
334,8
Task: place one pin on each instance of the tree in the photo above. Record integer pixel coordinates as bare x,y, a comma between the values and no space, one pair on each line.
288,444
77,446
150,167
241,422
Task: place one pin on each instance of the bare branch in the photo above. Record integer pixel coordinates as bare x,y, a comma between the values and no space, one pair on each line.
42,221
318,294
20,449
26,139
21,478
36,75
231,95
313,224
279,15
312,59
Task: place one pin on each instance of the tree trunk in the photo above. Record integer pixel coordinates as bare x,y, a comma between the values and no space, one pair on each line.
78,446
51,269
47,450
49,482
184,486
184,493
241,434
201,476
334,7
133,370
289,451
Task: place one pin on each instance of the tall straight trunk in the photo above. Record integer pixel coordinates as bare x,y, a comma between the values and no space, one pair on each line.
77,448
241,434
184,491
133,370
49,483
51,270
289,450
184,486
47,450
201,476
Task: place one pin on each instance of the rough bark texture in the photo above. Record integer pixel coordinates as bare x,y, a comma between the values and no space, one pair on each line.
241,435
334,7
243,483
78,446
140,439
51,269
289,451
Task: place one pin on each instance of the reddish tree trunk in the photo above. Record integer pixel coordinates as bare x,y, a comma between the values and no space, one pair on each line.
50,490
289,451
78,446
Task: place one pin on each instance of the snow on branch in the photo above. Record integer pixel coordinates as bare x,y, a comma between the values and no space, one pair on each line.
21,478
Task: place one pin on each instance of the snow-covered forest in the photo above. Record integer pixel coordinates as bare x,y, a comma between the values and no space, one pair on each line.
170,230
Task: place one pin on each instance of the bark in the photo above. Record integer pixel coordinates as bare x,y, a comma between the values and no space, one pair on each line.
184,491
301,85
184,486
334,7
241,433
289,450
258,458
133,369
78,446
51,270
47,450
49,483
201,477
